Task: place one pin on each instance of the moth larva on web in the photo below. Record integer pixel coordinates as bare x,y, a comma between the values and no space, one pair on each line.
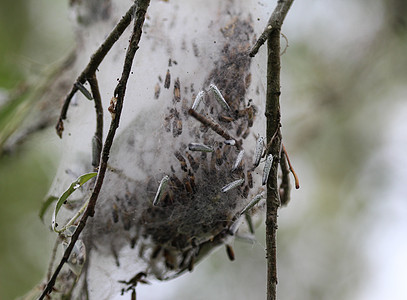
200,147
238,160
267,168
252,203
250,179
177,90
219,97
258,151
161,188
181,159
230,252
198,100
167,80
232,185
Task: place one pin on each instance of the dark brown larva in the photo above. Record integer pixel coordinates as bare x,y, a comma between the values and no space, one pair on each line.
195,49
250,179
192,180
192,162
177,90
176,182
115,213
246,191
248,80
239,130
169,259
156,251
181,159
188,186
225,119
230,252
191,264
127,221
219,157
250,116
176,127
157,91
167,124
246,133
167,80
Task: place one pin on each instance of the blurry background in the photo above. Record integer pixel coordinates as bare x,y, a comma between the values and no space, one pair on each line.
344,233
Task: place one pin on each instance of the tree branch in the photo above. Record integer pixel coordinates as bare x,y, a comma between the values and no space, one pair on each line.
296,180
273,124
120,92
97,138
272,35
275,22
94,63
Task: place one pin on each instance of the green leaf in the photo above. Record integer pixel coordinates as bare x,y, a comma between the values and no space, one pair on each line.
74,186
45,206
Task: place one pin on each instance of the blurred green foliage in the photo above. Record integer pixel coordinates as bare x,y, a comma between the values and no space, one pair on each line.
28,43
24,180
14,26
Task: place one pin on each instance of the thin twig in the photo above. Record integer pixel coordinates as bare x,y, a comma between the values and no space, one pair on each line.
97,138
272,35
94,63
285,181
297,181
214,126
286,44
270,142
275,22
120,91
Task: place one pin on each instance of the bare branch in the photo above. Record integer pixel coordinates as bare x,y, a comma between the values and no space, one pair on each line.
94,63
214,126
120,92
272,35
275,22
97,138
297,181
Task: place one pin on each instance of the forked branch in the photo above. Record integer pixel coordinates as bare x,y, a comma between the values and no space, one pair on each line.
275,22
119,93
94,63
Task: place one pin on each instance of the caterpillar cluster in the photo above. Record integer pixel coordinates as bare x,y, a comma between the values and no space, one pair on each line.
196,200
184,169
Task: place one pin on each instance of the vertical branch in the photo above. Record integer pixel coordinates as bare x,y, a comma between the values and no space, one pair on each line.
273,124
97,138
119,91
274,139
